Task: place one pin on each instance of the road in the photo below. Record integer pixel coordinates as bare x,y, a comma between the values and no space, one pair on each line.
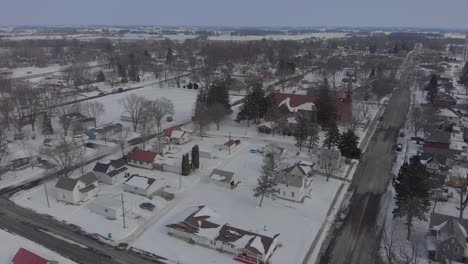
29,224
357,240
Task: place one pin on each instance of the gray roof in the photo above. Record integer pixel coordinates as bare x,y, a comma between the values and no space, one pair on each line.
439,136
88,188
449,153
436,219
101,167
88,178
449,226
118,163
228,175
66,183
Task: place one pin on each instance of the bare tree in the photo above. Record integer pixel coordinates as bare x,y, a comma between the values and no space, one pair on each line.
462,178
79,73
95,110
66,155
364,108
389,246
122,138
356,120
398,253
133,105
417,120
160,108
328,164
66,114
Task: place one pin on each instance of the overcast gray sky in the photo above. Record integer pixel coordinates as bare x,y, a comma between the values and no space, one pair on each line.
404,13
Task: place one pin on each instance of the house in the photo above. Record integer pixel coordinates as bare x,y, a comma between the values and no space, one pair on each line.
161,145
445,100
447,238
230,145
142,158
168,164
294,180
438,139
267,127
450,116
142,185
290,104
177,135
278,153
108,207
24,256
434,162
223,178
328,159
104,132
111,172
77,190
198,225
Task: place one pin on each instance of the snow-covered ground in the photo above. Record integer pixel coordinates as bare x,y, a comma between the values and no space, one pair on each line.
11,243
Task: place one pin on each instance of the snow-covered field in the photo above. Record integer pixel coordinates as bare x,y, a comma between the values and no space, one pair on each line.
12,243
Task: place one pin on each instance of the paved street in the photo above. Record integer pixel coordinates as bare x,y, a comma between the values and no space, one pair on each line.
357,240
29,225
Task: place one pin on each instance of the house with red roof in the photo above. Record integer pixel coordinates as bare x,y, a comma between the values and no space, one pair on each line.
291,104
142,158
177,135
24,256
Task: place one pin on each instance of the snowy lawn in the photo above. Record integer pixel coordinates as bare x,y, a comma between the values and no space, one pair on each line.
296,223
12,243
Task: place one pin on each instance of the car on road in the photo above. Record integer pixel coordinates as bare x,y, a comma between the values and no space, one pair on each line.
147,206
119,90
399,147
402,134
169,119
381,118
114,91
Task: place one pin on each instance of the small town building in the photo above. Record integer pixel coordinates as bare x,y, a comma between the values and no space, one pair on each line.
109,207
77,190
438,139
294,180
168,164
177,135
142,185
227,179
450,116
111,172
230,145
267,127
199,225
278,153
447,239
24,256
142,159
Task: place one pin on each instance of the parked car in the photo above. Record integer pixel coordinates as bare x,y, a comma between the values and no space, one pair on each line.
381,118
114,91
169,119
119,90
402,134
147,206
399,147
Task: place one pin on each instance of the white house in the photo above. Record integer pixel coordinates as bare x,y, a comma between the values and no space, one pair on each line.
142,158
223,178
177,135
168,164
199,225
111,172
77,190
294,181
142,185
108,207
230,145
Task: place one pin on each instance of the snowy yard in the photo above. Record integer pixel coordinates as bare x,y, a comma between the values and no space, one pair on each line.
241,209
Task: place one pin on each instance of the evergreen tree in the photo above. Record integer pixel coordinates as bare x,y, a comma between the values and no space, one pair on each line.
432,89
195,86
195,157
100,77
189,85
218,93
185,165
312,135
301,133
47,125
348,145
332,137
464,76
266,181
254,106
325,104
412,187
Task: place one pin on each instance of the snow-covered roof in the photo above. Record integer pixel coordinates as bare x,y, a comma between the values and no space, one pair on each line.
177,134
447,113
140,181
305,106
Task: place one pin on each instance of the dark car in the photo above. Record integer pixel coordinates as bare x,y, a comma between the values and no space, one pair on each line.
381,118
120,90
399,147
147,206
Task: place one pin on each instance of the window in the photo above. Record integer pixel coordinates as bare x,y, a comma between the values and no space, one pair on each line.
456,250
105,210
292,194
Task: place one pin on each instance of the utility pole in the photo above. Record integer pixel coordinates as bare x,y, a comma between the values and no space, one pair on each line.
465,50
123,211
46,194
229,142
